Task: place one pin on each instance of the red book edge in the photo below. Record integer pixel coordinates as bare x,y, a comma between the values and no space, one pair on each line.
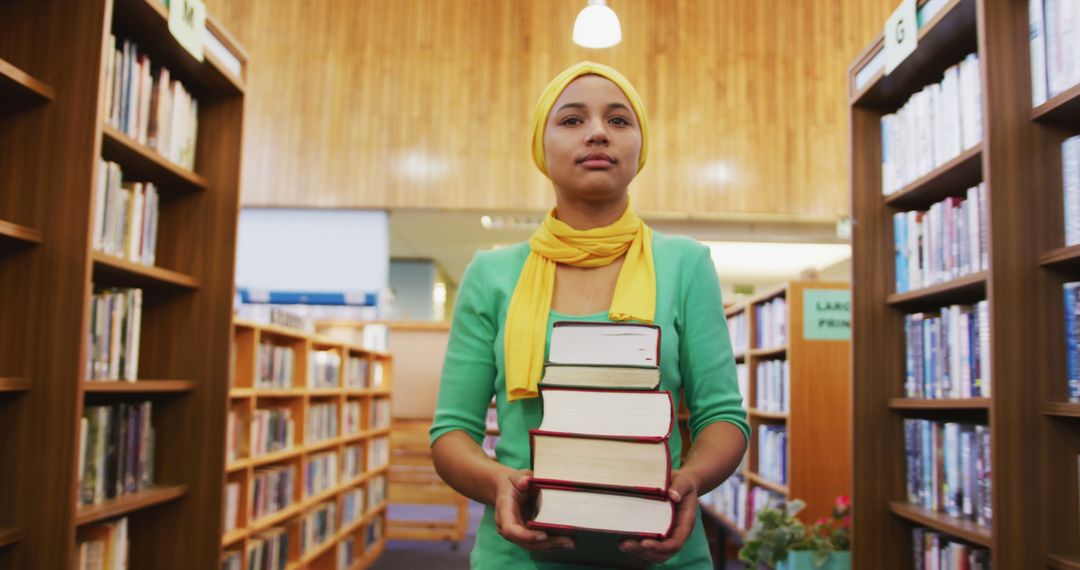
667,455
671,418
536,485
659,331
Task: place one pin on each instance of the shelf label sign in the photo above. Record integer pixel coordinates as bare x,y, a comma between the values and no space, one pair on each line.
827,314
901,35
187,20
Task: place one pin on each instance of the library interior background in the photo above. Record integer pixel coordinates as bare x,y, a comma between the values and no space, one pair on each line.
243,242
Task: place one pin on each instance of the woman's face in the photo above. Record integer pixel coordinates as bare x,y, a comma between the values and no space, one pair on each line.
592,140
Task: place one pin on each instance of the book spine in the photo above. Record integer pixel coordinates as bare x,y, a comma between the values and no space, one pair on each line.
1037,37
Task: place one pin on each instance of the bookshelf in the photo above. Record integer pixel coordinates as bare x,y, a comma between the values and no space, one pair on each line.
53,129
1033,430
299,394
817,417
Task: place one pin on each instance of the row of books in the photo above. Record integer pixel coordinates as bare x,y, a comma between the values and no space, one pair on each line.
147,104
773,386
380,413
374,532
376,492
346,553
352,462
276,366
272,430
272,490
125,216
352,505
116,451
934,550
269,550
1070,178
772,453
351,417
948,352
324,369
378,453
759,499
739,331
771,321
103,546
231,512
1055,47
1072,337
949,468
932,127
115,325
356,373
318,525
943,243
322,422
234,441
321,473
729,499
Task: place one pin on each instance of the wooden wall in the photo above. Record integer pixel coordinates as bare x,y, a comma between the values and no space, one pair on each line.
747,100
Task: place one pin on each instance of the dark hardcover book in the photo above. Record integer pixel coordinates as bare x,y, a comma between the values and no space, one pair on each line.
111,452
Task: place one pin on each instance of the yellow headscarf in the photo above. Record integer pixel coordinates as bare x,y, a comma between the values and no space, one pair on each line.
556,242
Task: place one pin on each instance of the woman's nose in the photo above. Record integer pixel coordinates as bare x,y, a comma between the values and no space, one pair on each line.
597,133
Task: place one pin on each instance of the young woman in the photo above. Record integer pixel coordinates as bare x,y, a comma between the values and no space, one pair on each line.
592,259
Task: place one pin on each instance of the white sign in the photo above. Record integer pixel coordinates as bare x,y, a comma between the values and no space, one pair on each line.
187,20
901,35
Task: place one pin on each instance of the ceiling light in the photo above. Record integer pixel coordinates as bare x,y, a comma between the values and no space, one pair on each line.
597,26
763,262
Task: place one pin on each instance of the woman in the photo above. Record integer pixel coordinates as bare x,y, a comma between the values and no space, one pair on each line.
592,259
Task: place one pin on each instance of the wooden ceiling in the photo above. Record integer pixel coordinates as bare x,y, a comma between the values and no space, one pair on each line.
426,103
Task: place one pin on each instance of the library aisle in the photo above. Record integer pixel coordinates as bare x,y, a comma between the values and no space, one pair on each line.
707,284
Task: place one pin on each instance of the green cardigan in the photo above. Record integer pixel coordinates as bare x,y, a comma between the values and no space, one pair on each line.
696,362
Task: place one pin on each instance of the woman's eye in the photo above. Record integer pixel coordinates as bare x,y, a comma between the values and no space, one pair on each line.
622,122
571,121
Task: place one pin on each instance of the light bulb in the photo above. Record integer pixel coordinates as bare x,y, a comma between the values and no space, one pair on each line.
597,26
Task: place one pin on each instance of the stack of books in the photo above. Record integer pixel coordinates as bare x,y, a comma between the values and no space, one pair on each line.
601,460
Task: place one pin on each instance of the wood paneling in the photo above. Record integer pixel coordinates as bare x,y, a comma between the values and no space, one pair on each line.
746,103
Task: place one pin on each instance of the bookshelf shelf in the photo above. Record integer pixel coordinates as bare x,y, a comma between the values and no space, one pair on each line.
949,179
1062,409
16,234
768,352
143,162
147,21
1063,109
1061,258
968,288
139,387
278,392
14,384
322,445
111,270
760,481
234,536
276,518
927,404
19,87
760,414
1063,562
241,392
318,551
86,514
959,528
9,536
276,457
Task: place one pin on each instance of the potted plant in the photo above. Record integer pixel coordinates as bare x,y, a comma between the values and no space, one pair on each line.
780,540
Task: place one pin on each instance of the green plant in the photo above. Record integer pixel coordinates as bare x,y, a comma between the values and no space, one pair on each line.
777,532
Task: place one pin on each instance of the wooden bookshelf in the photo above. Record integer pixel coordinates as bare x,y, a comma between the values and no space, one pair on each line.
48,181
14,384
245,395
9,536
1058,562
1033,438
963,171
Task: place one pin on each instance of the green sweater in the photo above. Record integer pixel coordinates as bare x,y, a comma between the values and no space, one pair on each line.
696,363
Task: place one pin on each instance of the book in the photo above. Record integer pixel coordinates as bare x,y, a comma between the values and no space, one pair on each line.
1070,178
604,344
948,468
103,546
941,243
276,366
594,376
1072,329
773,386
320,473
933,550
598,521
642,464
607,413
117,457
271,490
324,369
772,453
946,353
317,525
322,422
771,324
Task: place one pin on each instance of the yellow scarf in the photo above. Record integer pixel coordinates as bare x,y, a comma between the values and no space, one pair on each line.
556,242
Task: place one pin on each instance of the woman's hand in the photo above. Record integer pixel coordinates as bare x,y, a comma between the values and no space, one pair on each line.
511,496
684,492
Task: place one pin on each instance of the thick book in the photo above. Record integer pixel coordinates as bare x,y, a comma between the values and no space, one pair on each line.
598,521
601,377
640,464
604,344
607,413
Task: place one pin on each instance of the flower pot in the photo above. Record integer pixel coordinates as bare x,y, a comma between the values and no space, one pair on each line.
804,560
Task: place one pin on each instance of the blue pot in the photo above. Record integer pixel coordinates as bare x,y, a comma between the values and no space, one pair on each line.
804,560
